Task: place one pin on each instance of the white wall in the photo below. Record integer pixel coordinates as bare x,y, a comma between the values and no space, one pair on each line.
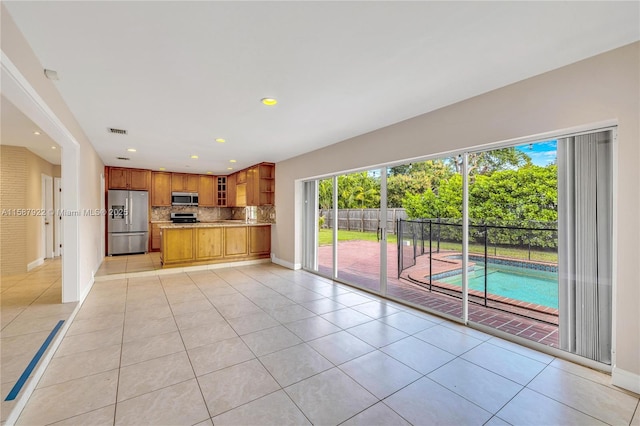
90,166
602,88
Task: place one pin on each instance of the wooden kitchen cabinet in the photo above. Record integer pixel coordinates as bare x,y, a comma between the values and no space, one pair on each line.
177,245
124,178
208,243
155,237
221,200
161,189
260,240
241,177
266,184
207,191
231,190
184,182
197,245
258,188
253,187
236,241
241,195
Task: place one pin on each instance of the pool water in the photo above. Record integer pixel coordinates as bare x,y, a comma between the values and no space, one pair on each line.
528,285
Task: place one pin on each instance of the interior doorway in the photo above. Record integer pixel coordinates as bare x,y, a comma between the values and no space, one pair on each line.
47,216
57,217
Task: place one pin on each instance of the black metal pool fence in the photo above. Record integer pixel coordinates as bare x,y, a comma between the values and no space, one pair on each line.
417,237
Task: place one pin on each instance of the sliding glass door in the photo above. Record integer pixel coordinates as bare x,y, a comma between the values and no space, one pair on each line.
516,239
426,198
360,234
326,227
513,241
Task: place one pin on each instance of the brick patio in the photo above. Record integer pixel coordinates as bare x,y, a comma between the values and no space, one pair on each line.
358,263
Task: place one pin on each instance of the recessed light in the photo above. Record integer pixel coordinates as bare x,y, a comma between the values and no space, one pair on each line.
36,133
269,101
220,140
131,150
162,169
53,147
232,161
229,168
195,157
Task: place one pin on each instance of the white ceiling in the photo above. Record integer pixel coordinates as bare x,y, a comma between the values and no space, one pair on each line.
177,75
18,130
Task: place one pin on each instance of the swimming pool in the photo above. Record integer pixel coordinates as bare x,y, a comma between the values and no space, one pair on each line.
539,287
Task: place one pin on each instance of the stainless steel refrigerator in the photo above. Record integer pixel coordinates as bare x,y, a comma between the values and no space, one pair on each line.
128,222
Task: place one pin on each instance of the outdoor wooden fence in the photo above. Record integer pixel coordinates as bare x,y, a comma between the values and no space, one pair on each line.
363,220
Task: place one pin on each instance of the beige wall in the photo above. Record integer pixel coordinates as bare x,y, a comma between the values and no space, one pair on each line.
36,167
90,166
601,88
21,183
13,190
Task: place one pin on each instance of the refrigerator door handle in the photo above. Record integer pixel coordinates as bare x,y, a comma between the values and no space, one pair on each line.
131,207
126,211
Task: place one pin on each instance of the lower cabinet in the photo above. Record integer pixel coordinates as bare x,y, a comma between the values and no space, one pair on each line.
198,245
155,237
208,243
236,242
177,245
260,240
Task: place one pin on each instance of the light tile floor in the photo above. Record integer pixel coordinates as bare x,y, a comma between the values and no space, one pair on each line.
127,264
264,345
30,307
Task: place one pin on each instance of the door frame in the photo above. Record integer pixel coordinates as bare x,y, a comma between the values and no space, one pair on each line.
46,190
57,218
17,89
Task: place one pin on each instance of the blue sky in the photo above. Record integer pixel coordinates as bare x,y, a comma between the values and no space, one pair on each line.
541,153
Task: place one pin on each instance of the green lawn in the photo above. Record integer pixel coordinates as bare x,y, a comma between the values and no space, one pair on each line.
325,237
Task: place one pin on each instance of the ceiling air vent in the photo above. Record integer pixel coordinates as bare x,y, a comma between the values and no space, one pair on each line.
117,131
123,158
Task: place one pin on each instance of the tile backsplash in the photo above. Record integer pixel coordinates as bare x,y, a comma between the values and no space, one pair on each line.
264,214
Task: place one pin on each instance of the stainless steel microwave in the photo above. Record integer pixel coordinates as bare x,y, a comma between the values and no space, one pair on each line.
184,198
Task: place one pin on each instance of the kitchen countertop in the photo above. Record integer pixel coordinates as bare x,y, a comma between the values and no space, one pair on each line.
214,224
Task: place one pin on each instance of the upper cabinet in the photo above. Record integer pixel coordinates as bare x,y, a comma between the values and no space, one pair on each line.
231,190
206,191
184,182
266,184
160,189
254,186
222,191
123,178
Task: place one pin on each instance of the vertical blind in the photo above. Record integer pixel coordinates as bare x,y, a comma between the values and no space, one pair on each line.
584,244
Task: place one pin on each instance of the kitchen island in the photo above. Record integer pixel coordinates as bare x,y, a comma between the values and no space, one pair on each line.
223,241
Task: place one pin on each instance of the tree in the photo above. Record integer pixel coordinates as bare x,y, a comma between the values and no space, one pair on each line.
358,191
420,206
416,178
487,162
325,193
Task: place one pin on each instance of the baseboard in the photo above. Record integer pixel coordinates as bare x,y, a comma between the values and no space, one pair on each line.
86,291
625,379
35,264
284,263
